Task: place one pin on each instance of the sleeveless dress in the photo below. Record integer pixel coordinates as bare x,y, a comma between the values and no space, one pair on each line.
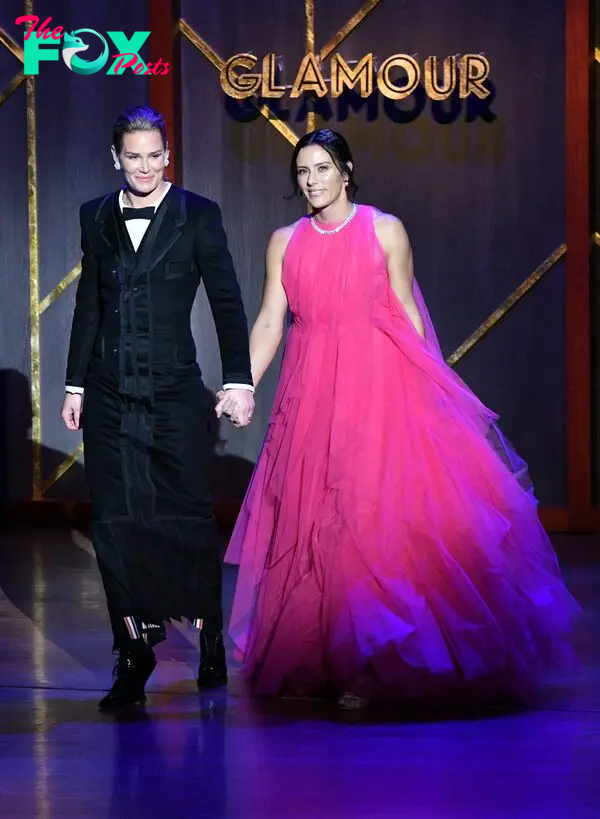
389,544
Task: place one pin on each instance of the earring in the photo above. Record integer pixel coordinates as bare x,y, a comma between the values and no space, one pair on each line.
167,161
117,166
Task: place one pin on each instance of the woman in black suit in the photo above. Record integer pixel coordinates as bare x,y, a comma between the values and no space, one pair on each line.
146,248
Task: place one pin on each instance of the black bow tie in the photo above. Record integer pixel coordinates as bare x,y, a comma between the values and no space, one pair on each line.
138,213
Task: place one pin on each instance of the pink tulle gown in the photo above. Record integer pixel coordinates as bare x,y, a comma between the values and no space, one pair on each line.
389,544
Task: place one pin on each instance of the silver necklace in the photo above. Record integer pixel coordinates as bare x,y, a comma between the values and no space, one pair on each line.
337,229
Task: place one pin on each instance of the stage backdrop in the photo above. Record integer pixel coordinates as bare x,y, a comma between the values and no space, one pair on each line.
55,135
479,185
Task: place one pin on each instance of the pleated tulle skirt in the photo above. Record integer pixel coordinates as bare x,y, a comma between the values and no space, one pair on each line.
389,545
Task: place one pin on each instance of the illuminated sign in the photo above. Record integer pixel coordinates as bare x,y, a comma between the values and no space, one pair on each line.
467,73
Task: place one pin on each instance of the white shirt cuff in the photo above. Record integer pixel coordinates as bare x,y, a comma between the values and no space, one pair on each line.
248,387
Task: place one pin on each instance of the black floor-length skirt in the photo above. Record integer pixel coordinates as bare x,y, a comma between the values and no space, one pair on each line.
153,529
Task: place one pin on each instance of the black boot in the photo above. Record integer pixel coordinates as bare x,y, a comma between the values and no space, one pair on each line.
212,671
131,673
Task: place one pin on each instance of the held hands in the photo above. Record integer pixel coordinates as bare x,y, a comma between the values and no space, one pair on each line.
237,405
71,410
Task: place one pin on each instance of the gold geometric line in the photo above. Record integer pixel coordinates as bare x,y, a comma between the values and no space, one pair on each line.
60,288
34,315
506,305
10,89
596,238
11,45
352,23
60,470
201,45
597,55
280,126
309,12
218,62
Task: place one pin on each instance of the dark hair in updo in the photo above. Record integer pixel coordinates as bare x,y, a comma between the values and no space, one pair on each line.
138,118
337,148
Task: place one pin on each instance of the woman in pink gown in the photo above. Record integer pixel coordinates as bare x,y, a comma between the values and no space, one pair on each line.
389,545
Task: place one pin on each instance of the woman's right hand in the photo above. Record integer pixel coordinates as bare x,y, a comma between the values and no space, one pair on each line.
71,410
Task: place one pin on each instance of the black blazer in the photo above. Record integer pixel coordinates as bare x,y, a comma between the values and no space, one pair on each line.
132,315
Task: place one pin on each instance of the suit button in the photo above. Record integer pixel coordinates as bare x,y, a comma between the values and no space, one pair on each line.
135,289
115,350
116,310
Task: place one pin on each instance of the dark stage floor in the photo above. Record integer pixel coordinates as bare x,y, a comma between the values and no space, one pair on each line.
187,757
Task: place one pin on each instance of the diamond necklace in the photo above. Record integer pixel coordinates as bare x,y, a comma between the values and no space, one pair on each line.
337,229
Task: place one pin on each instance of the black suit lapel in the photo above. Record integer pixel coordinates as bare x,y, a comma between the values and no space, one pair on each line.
164,230
118,229
112,230
162,233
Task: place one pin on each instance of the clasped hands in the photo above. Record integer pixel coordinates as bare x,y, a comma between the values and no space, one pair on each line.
237,405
